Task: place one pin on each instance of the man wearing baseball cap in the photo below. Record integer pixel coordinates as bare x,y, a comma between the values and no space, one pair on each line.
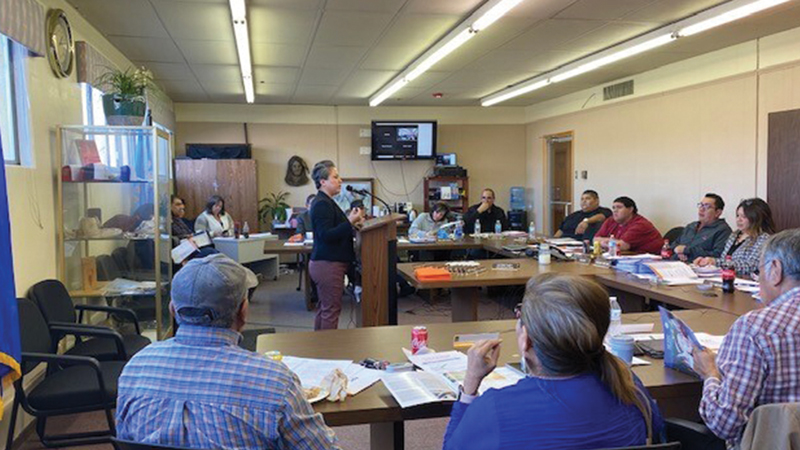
200,389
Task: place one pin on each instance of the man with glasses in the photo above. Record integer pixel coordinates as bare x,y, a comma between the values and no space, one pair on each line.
759,360
707,235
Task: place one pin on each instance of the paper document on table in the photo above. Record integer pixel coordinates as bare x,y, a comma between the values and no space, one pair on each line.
564,241
402,240
631,328
710,341
499,378
749,286
438,362
639,362
183,251
674,273
417,388
311,371
293,244
360,378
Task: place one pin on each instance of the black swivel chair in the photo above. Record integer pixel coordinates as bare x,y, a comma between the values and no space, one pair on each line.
72,384
119,444
105,344
673,234
692,435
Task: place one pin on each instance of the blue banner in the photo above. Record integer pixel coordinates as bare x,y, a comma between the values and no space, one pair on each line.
9,321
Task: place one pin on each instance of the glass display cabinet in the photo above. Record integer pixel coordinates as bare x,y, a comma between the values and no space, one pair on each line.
113,219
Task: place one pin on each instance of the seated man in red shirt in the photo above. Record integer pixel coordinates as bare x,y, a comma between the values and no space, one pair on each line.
632,232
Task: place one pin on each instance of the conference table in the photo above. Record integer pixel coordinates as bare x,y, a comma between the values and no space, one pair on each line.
678,394
465,289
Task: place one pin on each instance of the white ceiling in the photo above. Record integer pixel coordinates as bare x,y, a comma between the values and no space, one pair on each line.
340,52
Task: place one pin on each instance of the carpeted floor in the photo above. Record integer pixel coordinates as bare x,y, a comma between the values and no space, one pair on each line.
279,305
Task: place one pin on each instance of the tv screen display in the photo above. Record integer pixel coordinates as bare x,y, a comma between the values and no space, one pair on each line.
393,140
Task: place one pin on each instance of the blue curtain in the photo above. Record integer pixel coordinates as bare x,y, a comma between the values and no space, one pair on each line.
9,321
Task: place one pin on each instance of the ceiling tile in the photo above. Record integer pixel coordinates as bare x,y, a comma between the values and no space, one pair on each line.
351,28
217,73
147,49
460,8
602,9
540,9
606,36
209,52
419,30
213,88
334,56
390,6
665,11
277,54
122,17
430,78
185,87
550,33
168,71
282,25
311,94
275,89
295,4
390,58
323,77
364,83
193,20
276,75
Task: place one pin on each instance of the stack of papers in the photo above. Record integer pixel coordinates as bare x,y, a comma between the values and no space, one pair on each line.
564,242
709,341
122,286
674,273
311,371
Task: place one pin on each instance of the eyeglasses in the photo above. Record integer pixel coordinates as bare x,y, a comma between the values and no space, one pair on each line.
487,198
705,206
518,311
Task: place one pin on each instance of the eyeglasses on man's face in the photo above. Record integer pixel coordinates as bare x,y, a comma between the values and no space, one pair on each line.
705,206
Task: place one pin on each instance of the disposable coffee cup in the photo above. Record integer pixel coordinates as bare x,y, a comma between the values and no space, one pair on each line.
309,235
622,347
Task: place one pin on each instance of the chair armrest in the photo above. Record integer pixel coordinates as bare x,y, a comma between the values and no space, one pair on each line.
125,312
692,435
93,331
69,360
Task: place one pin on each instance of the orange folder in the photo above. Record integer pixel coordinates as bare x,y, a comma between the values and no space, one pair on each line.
431,274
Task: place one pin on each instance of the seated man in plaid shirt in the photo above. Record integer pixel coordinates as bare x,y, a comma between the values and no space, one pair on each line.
200,389
759,361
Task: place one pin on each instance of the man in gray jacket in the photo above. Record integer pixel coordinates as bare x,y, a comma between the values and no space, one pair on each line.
706,236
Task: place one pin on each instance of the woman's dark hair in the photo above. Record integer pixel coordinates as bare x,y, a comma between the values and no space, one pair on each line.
440,207
759,214
213,200
719,203
628,202
321,171
566,318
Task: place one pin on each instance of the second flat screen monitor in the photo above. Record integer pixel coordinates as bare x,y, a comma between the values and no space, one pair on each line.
403,140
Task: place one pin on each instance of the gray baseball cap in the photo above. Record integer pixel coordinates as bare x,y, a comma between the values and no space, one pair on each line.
208,291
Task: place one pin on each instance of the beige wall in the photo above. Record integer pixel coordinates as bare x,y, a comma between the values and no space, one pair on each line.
493,154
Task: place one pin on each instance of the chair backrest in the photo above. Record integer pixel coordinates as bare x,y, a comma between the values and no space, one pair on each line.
52,298
673,234
120,444
120,256
33,331
250,337
107,269
667,446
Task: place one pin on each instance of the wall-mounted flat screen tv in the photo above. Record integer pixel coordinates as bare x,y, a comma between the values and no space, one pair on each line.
401,140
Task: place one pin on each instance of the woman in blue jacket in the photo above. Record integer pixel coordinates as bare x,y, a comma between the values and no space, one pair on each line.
576,394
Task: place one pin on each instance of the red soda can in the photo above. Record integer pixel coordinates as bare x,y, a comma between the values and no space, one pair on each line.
419,339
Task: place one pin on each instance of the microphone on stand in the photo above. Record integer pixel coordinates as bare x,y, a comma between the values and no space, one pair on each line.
365,193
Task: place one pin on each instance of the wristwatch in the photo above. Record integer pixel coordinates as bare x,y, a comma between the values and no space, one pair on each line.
465,398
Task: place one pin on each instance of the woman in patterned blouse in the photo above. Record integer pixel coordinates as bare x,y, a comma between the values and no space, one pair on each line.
754,225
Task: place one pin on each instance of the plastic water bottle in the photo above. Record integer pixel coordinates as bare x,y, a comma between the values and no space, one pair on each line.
544,253
615,327
477,227
612,246
532,230
459,230
246,230
498,227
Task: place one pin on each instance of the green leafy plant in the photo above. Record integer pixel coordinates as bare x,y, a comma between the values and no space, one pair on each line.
128,84
273,208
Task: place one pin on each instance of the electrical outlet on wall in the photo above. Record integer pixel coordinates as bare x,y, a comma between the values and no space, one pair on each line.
364,150
585,174
364,133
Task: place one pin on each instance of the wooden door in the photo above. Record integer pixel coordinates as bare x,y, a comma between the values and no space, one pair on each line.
559,191
783,168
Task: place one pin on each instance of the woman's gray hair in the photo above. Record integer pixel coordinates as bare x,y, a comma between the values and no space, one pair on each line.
321,171
784,247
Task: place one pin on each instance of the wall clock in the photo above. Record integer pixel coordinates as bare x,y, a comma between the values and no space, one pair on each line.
60,47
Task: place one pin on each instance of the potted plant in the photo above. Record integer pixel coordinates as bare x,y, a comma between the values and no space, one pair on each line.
124,101
273,208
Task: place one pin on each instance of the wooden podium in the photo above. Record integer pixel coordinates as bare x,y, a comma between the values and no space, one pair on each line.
378,249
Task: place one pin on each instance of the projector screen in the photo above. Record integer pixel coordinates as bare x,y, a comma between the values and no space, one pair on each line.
399,140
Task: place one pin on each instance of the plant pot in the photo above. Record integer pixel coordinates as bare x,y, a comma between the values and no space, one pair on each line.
120,111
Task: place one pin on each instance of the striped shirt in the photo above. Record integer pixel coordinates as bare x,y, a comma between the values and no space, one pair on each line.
745,258
200,390
759,362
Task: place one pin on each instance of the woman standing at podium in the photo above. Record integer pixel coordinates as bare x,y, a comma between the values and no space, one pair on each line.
333,250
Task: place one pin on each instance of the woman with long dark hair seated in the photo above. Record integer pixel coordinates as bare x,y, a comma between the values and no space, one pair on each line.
576,394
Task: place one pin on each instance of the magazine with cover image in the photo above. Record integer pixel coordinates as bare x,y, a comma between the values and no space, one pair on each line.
679,342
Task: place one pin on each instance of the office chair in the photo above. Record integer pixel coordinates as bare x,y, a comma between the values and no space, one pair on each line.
72,384
105,344
692,435
673,234
250,337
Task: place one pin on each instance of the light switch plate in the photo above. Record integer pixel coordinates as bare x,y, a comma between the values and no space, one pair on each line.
364,133
364,150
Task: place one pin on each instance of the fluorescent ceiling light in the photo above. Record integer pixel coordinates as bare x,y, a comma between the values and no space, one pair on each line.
614,57
730,16
494,13
710,18
240,32
486,15
516,91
